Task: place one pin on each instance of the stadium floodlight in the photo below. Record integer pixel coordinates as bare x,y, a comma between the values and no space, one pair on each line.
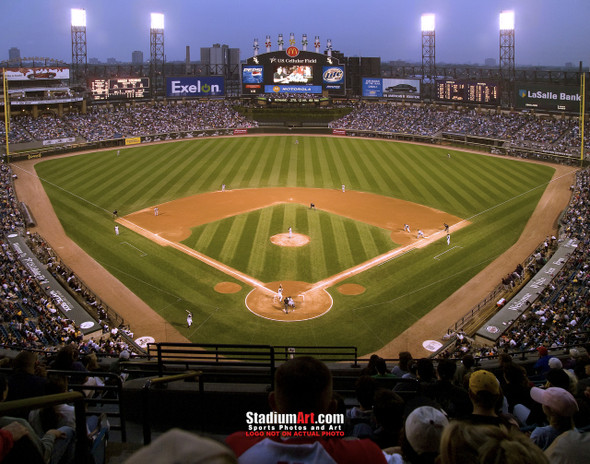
507,20
157,21
78,17
428,22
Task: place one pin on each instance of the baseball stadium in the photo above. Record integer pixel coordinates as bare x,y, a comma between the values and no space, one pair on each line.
206,226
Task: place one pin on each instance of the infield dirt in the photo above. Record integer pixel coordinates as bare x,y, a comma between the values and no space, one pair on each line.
145,321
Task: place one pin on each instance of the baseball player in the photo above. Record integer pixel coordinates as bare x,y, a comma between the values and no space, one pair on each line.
280,292
223,187
156,211
407,228
116,230
448,239
343,188
189,319
420,234
446,227
290,232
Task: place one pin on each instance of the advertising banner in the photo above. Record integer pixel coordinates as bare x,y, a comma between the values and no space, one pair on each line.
293,88
252,75
132,140
550,97
406,89
25,74
372,87
195,86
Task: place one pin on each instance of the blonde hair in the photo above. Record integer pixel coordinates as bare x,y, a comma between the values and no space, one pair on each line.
465,443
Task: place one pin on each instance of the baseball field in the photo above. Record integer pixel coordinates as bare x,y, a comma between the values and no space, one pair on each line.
210,252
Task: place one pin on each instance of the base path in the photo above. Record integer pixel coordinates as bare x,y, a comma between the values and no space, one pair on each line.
145,321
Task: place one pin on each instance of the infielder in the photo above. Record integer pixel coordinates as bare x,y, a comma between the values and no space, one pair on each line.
156,211
407,228
223,187
343,188
420,234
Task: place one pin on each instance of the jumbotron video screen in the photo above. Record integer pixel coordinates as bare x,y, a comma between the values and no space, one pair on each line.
292,71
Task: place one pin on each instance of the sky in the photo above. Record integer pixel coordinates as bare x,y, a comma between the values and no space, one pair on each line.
547,32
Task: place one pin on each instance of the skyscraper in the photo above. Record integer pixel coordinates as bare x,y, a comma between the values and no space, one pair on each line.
137,57
13,54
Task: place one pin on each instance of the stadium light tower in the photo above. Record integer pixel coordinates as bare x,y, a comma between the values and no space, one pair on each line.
157,51
79,48
507,73
428,50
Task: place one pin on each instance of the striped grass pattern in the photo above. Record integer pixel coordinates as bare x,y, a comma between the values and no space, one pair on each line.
337,243
496,195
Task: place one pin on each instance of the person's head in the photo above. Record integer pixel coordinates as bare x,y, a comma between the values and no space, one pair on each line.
381,366
404,359
542,351
515,374
25,361
365,389
468,361
302,384
556,401
422,433
425,370
463,442
555,363
388,408
484,390
446,369
558,378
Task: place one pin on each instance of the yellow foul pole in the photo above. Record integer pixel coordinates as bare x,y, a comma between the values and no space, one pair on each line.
6,112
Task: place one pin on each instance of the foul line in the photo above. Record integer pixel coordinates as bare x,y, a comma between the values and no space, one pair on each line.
141,252
195,254
456,246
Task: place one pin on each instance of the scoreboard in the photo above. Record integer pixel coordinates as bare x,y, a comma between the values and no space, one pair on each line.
120,88
467,91
293,71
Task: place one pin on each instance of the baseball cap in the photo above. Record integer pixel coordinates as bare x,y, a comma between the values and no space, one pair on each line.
424,427
559,400
483,380
180,447
542,351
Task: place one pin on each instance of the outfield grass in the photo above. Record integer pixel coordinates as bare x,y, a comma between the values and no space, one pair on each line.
496,195
337,243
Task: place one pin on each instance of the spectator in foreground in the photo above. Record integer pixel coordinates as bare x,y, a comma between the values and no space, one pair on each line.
486,397
559,406
302,384
464,443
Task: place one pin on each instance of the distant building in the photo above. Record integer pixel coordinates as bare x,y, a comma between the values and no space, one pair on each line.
220,59
137,57
14,54
569,64
490,62
112,61
93,61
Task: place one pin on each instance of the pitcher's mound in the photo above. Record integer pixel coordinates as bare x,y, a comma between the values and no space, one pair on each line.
309,304
296,240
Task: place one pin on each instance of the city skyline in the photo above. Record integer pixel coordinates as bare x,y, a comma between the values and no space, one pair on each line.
466,32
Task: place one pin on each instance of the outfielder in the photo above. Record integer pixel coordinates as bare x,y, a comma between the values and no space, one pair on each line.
189,319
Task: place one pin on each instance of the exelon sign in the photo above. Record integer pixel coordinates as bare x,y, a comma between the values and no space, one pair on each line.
194,86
